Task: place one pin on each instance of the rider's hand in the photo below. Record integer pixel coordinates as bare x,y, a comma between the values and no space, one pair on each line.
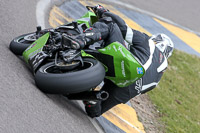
78,41
99,10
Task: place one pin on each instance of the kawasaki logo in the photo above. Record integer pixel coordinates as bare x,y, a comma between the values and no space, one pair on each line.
123,70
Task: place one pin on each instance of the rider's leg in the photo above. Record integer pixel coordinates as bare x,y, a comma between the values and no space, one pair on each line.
117,95
105,30
109,32
93,108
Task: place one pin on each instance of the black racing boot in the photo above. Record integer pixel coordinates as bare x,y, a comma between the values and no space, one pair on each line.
93,108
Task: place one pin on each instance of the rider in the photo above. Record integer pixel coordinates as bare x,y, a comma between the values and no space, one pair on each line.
152,52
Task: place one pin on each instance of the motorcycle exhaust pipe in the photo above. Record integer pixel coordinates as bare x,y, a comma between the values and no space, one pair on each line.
89,95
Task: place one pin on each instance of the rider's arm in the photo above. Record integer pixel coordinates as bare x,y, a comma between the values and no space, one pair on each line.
101,12
126,31
130,35
99,31
119,21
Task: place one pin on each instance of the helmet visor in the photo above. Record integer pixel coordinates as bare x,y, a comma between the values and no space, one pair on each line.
168,51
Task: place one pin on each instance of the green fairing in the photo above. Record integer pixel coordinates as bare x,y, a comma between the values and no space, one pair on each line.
89,19
84,54
35,47
127,68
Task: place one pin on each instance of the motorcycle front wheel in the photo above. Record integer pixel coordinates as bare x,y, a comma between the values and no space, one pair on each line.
50,79
19,44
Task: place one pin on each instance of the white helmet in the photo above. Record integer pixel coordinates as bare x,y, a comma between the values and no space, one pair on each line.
164,44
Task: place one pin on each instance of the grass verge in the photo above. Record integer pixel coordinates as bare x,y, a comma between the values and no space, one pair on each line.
177,97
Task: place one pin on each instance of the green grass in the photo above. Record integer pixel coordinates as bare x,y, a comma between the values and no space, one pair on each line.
177,97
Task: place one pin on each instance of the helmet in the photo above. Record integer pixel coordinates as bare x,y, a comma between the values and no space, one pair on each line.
164,44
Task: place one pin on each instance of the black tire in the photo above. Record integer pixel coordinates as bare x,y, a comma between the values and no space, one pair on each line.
72,81
19,44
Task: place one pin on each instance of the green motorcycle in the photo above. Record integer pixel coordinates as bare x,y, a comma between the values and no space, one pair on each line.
62,68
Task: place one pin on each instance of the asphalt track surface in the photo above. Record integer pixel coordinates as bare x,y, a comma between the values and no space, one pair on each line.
182,12
24,108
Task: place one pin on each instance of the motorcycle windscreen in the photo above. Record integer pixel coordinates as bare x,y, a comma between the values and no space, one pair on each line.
34,55
127,69
88,18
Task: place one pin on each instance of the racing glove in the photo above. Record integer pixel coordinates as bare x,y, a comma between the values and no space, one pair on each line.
89,36
99,10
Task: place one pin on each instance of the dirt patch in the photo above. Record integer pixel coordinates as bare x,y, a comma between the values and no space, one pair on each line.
147,114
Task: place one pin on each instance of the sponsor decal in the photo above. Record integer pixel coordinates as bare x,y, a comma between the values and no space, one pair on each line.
31,46
120,49
139,70
34,53
89,34
123,70
138,85
109,47
115,48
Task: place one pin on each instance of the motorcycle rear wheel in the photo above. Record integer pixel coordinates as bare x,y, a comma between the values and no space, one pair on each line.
19,44
51,79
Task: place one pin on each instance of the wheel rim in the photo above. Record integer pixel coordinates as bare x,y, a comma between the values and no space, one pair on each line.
56,70
27,38
30,37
